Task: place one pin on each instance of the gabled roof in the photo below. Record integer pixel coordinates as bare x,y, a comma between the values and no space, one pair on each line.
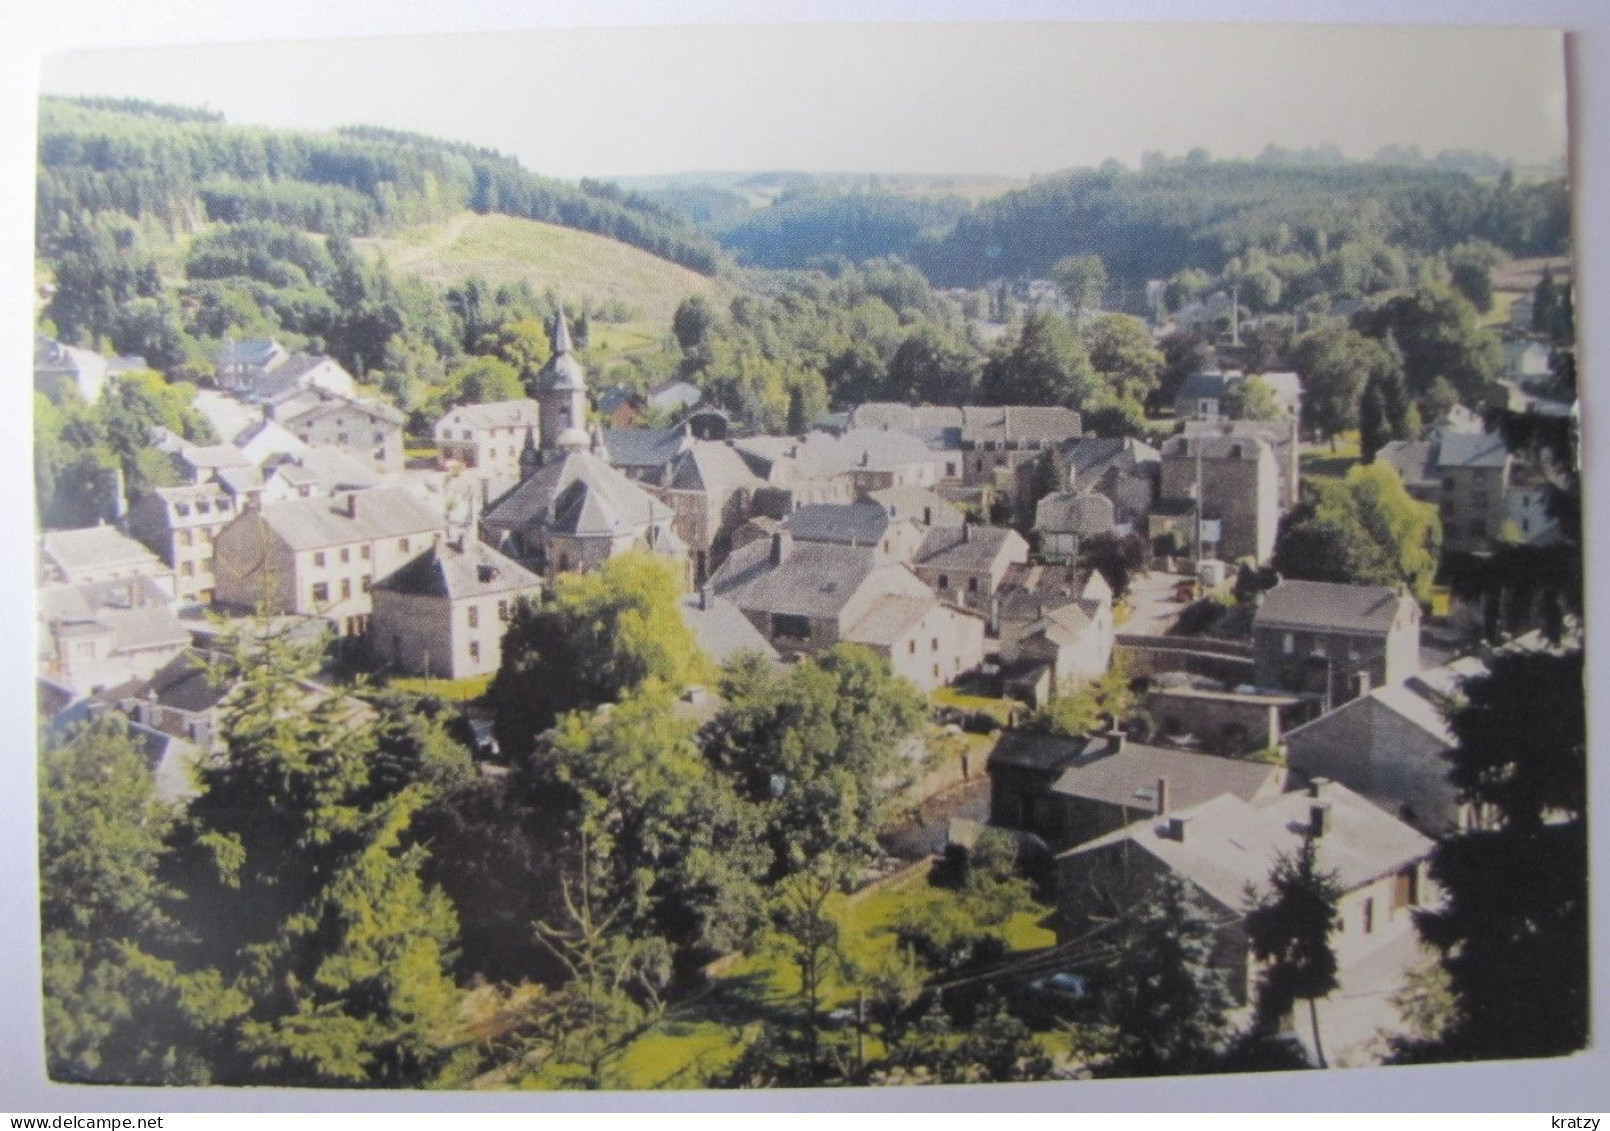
1090,456
383,512
1198,385
93,547
460,569
265,438
1329,607
967,547
916,504
1464,449
88,599
1129,777
336,469
721,628
889,619
673,395
255,352
1411,459
1230,845
644,447
1211,447
848,524
497,414
710,466
182,684
207,456
1045,424
332,405
1417,700
815,579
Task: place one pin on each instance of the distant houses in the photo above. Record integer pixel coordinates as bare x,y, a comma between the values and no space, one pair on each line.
487,437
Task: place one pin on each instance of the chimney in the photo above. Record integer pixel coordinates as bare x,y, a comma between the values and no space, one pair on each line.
967,531
866,457
927,516
1316,786
781,543
1175,829
486,492
352,504
1115,741
1162,797
1318,819
704,597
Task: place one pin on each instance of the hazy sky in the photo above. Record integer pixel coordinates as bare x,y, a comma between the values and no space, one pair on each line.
1011,99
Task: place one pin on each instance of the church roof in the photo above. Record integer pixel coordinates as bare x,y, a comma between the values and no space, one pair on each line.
563,373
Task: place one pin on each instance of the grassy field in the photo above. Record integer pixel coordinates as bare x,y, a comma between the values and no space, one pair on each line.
704,1036
578,266
457,690
1322,462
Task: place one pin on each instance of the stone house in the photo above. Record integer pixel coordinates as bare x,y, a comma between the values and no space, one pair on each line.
1391,746
1281,436
1066,520
1121,469
444,613
966,565
97,553
1068,791
1466,474
180,524
1335,641
916,504
711,491
367,429
489,437
807,595
261,370
320,557
1222,719
1235,483
98,634
58,366
1225,847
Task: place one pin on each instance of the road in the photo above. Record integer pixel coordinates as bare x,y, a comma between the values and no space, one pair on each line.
1152,607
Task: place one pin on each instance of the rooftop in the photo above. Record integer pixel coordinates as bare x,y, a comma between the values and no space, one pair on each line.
360,516
93,547
460,568
1328,606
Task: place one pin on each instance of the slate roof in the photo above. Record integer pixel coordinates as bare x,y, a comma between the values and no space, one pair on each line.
1230,844
916,504
265,438
497,414
1199,385
674,395
1215,447
562,372
458,570
332,405
182,684
721,628
256,352
1043,752
815,579
849,524
710,466
1411,459
889,619
1090,456
288,374
208,456
384,512
644,447
336,469
967,547
1019,424
1418,699
1074,512
90,598
1329,607
1464,449
576,492
1129,777
93,547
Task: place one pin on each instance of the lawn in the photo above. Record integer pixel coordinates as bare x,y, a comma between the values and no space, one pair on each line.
706,1034
1322,462
458,690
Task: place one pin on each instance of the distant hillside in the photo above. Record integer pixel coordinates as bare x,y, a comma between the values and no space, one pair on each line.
580,267
169,169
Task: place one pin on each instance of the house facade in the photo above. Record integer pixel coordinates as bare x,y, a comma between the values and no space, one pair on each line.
368,430
1335,641
444,613
1235,483
320,557
180,524
489,437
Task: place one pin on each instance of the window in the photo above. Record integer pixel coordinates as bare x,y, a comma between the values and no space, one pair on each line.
475,650
224,505
1369,916
318,559
203,507
206,536
935,646
911,648
186,538
181,508
346,588
944,582
790,627
503,610
475,616
1288,643
466,433
972,585
402,544
341,438
363,551
380,437
366,582
321,593
188,569
346,554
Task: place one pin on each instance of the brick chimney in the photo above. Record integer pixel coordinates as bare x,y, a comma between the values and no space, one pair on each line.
1162,797
781,543
352,504
1115,741
1318,819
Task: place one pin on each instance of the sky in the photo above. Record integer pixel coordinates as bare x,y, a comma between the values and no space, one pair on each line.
1009,99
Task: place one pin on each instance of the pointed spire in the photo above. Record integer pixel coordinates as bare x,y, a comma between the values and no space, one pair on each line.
561,332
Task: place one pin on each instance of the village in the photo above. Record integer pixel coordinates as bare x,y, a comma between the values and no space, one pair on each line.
1001,558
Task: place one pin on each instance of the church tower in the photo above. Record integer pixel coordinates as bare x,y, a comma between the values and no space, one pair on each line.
561,395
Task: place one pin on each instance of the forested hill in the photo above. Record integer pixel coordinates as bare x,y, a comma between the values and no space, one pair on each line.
1155,222
172,168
